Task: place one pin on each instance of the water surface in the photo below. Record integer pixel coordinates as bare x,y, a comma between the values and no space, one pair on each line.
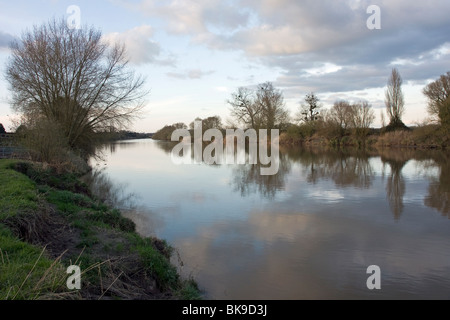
309,232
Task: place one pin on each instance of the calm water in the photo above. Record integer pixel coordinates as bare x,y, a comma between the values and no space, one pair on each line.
310,232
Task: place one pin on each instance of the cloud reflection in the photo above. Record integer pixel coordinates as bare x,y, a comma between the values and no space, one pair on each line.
293,255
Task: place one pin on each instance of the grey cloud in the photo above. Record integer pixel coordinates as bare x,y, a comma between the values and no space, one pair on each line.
5,39
225,16
308,13
336,33
368,74
297,35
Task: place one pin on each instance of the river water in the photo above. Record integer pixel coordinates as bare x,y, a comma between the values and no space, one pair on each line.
309,232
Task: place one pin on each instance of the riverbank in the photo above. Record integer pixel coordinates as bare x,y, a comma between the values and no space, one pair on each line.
422,137
50,221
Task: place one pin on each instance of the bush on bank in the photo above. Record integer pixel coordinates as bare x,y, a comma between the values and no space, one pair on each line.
319,134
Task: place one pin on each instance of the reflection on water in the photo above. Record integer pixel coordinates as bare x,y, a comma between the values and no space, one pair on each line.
439,189
309,232
165,146
109,192
247,179
395,186
344,168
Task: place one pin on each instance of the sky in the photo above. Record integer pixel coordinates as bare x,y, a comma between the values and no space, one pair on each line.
195,54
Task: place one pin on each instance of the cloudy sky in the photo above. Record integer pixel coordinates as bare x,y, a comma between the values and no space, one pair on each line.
195,53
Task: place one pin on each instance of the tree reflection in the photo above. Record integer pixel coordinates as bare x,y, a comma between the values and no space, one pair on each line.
109,192
352,168
395,187
247,179
166,146
113,147
439,189
347,168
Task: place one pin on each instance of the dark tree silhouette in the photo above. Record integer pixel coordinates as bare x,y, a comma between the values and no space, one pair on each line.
310,110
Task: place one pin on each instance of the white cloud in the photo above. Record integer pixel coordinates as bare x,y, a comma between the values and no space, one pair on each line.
189,74
222,89
195,17
324,69
139,45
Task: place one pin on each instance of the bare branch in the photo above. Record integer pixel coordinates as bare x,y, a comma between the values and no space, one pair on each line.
394,98
74,78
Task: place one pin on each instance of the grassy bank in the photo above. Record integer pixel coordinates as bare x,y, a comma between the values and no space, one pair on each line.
425,137
50,220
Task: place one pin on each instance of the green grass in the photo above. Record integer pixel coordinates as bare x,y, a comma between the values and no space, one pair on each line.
25,271
155,262
94,213
189,290
50,176
17,192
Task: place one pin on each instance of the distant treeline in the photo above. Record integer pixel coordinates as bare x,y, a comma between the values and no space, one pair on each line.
346,123
214,122
128,135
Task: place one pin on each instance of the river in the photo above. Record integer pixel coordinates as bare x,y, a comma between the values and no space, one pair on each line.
309,232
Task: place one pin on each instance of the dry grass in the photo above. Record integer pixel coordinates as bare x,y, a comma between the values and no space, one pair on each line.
396,139
422,136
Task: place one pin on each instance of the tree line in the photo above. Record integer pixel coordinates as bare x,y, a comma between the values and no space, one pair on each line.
263,107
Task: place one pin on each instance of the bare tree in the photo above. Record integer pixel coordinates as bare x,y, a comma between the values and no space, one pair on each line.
310,110
341,113
166,132
271,103
394,100
337,121
214,122
263,108
362,118
383,119
243,107
438,94
180,125
74,79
